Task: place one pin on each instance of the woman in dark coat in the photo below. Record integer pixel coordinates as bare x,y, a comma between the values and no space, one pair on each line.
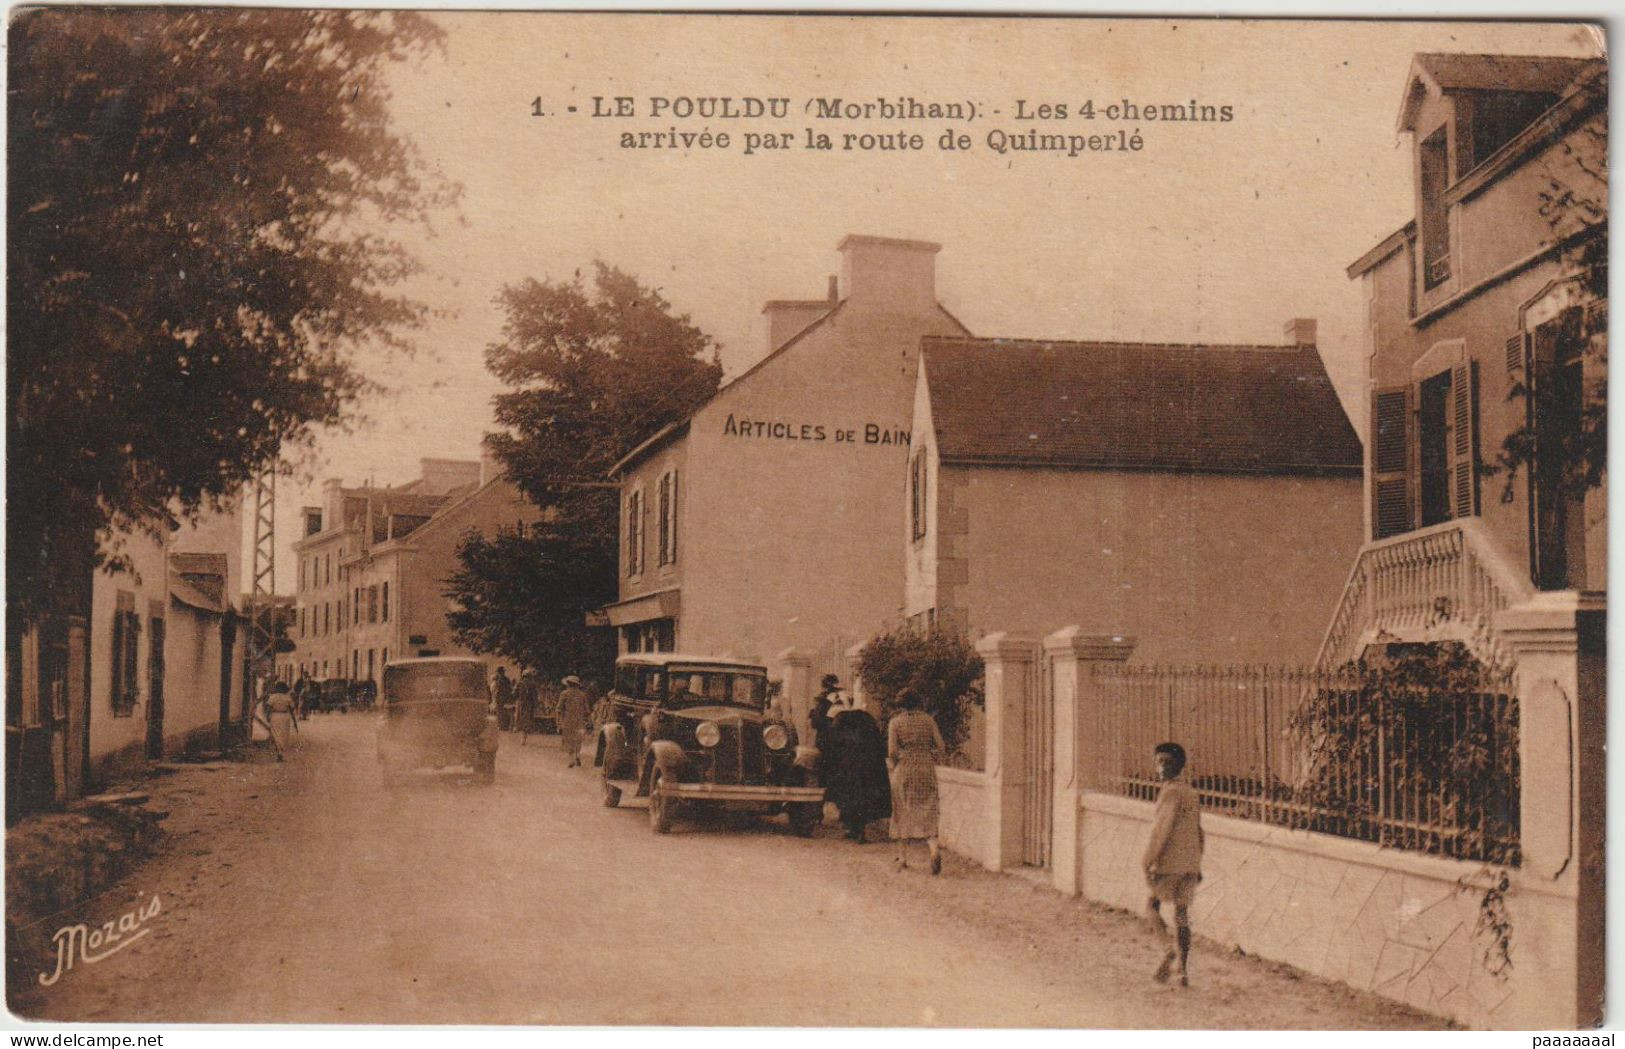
856,780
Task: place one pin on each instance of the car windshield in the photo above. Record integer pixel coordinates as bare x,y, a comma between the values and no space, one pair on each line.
422,681
737,688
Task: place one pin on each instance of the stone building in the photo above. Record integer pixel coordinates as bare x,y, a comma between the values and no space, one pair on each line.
372,566
1203,499
767,519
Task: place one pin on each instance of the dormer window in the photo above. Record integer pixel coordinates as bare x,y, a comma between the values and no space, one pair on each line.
1434,163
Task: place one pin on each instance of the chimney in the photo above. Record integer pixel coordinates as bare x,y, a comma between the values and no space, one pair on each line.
490,467
333,502
899,275
787,318
1300,331
834,290
439,476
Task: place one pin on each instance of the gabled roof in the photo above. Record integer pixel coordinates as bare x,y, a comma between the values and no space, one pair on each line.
1112,405
1534,74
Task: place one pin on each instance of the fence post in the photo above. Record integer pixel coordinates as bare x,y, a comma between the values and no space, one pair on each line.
1072,655
849,678
1557,640
797,671
1009,660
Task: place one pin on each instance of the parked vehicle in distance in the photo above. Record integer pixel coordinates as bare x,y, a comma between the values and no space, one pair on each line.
363,694
330,695
436,712
692,732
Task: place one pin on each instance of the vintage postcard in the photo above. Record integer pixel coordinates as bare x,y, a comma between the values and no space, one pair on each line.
766,520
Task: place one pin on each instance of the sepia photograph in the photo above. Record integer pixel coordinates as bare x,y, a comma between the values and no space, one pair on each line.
764,520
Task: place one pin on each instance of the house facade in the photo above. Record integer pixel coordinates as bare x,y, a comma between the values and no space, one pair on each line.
1482,326
1487,323
766,520
1201,499
371,588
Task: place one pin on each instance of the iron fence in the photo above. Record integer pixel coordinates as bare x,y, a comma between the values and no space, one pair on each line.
1341,752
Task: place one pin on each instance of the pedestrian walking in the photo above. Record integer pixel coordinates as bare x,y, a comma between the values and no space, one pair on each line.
503,688
914,747
574,706
278,716
856,779
1173,857
301,698
525,697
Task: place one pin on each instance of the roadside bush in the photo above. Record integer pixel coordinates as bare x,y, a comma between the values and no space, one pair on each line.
942,667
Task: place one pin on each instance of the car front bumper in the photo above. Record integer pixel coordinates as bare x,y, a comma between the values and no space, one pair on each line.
765,794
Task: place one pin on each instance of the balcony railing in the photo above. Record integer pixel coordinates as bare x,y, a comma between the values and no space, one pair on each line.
1447,580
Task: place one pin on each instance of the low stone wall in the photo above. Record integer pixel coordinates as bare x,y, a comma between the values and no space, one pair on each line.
964,824
1394,923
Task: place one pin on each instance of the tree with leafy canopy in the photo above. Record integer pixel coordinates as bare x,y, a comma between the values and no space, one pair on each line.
591,371
200,234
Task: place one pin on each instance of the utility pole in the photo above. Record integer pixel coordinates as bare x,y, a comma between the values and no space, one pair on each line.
261,648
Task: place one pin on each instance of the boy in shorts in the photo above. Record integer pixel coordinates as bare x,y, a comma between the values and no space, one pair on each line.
1173,856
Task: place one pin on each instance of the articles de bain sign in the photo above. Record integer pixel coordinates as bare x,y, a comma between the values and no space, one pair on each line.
778,430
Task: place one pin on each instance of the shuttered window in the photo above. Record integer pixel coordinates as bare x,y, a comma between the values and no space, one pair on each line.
917,495
1390,462
1462,442
1424,459
668,518
634,533
126,652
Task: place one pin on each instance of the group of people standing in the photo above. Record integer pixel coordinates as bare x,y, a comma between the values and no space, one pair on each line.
517,705
870,776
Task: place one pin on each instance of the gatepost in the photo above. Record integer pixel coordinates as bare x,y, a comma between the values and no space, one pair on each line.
854,686
1009,660
1072,656
1558,641
797,671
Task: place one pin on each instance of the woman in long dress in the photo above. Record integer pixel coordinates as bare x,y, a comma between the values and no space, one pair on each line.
279,716
573,708
913,748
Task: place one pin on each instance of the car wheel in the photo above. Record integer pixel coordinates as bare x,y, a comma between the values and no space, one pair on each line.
805,817
661,806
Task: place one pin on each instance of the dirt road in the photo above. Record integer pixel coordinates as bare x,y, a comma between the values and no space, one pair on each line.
307,892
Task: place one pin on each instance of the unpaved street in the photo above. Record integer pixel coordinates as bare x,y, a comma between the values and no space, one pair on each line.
306,892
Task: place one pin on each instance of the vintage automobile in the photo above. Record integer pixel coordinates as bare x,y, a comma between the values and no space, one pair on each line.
330,695
693,732
436,712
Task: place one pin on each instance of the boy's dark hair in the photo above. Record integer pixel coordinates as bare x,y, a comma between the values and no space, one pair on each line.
1175,751
908,699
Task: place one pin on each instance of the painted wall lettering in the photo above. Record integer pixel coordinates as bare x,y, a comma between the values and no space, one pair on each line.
780,430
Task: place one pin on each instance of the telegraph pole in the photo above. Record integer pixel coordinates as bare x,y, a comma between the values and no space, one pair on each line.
261,647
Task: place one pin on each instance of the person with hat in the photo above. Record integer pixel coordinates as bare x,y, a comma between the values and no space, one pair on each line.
574,706
1173,856
818,720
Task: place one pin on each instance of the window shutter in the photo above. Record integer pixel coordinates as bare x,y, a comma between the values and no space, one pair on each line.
1462,446
1517,358
673,558
116,691
1390,462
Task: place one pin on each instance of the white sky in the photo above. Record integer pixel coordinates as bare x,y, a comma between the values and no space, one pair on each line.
1214,232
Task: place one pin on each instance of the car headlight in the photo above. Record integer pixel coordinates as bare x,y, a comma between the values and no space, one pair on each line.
775,737
708,734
